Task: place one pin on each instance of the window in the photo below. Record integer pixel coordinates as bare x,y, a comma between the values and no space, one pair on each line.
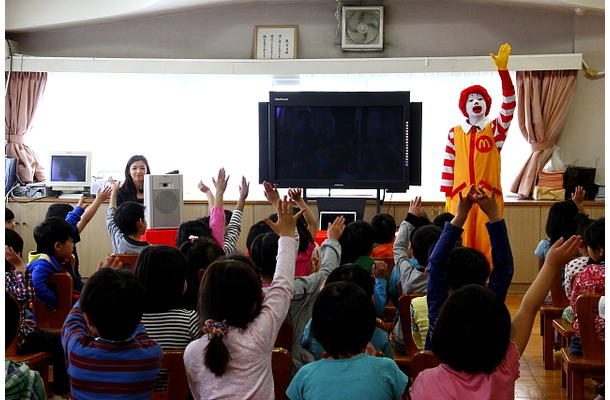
199,123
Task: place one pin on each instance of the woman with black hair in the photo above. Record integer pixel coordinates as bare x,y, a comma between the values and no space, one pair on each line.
133,186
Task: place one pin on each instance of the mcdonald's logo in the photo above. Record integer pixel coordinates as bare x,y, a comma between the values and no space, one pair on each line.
484,144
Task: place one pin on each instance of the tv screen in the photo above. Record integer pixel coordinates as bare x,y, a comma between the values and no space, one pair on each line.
357,140
71,168
69,171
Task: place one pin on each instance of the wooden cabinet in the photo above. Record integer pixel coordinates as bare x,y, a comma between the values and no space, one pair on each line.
94,245
525,220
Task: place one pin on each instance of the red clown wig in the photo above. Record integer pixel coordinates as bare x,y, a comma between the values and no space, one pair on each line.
470,90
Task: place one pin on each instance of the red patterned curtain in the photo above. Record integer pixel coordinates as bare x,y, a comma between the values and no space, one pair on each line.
24,91
543,99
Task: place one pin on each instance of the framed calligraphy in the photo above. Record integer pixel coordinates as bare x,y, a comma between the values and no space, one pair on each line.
275,41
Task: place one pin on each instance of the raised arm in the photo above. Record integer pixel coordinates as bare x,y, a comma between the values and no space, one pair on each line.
221,185
101,196
208,192
113,229
403,266
287,222
437,264
560,253
114,188
310,217
501,254
331,251
244,190
217,214
234,226
271,194
578,198
501,124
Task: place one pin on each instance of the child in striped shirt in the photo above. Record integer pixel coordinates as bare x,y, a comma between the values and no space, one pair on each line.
108,352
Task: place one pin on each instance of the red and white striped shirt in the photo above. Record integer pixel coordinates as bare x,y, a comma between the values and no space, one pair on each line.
499,127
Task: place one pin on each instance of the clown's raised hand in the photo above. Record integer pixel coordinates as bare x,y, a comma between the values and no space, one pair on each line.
501,60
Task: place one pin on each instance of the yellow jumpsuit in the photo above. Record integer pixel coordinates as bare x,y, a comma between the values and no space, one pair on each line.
472,156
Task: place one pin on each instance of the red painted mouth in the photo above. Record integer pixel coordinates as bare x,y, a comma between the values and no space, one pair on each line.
477,109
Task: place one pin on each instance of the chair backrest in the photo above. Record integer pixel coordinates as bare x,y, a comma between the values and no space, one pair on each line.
53,320
176,386
281,367
558,293
389,262
128,260
422,360
404,309
285,335
592,344
379,323
11,351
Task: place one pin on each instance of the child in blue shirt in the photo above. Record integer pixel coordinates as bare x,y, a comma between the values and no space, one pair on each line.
54,246
343,322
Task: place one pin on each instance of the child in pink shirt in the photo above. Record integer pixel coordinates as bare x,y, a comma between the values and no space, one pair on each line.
478,344
233,358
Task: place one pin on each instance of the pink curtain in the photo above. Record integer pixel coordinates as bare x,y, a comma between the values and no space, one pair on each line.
25,90
543,99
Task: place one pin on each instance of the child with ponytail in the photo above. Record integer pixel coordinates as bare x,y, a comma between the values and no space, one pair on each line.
232,360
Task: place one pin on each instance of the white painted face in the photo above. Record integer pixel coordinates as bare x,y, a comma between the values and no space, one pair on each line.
476,107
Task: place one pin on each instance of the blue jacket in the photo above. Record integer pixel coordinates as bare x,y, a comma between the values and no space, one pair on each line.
42,265
499,279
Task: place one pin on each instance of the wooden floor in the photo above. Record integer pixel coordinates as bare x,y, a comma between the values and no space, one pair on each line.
535,382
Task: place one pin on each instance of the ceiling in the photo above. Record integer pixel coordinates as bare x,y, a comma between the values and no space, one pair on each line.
33,15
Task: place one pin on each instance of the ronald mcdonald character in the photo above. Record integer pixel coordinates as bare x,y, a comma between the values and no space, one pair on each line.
472,154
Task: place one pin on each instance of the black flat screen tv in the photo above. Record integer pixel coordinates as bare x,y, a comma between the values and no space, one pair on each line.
349,140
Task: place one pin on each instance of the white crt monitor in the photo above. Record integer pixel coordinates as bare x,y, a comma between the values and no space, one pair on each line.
69,171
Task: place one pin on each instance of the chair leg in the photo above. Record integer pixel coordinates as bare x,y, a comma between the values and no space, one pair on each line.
547,343
577,383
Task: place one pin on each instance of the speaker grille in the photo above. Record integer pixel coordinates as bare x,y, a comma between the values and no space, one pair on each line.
166,201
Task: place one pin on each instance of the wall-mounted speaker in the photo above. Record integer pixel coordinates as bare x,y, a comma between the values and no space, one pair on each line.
362,28
163,201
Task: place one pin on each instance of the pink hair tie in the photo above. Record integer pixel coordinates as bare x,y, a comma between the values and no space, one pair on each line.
192,238
213,328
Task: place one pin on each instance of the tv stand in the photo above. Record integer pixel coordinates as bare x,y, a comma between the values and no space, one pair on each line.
353,203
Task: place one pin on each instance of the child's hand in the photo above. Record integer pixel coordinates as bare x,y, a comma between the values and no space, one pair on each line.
271,193
14,259
103,194
221,182
578,196
415,207
114,186
463,207
112,262
487,203
286,221
380,269
562,252
336,228
202,186
244,188
81,202
295,194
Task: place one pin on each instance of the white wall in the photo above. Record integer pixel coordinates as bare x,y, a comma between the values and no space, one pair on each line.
413,28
